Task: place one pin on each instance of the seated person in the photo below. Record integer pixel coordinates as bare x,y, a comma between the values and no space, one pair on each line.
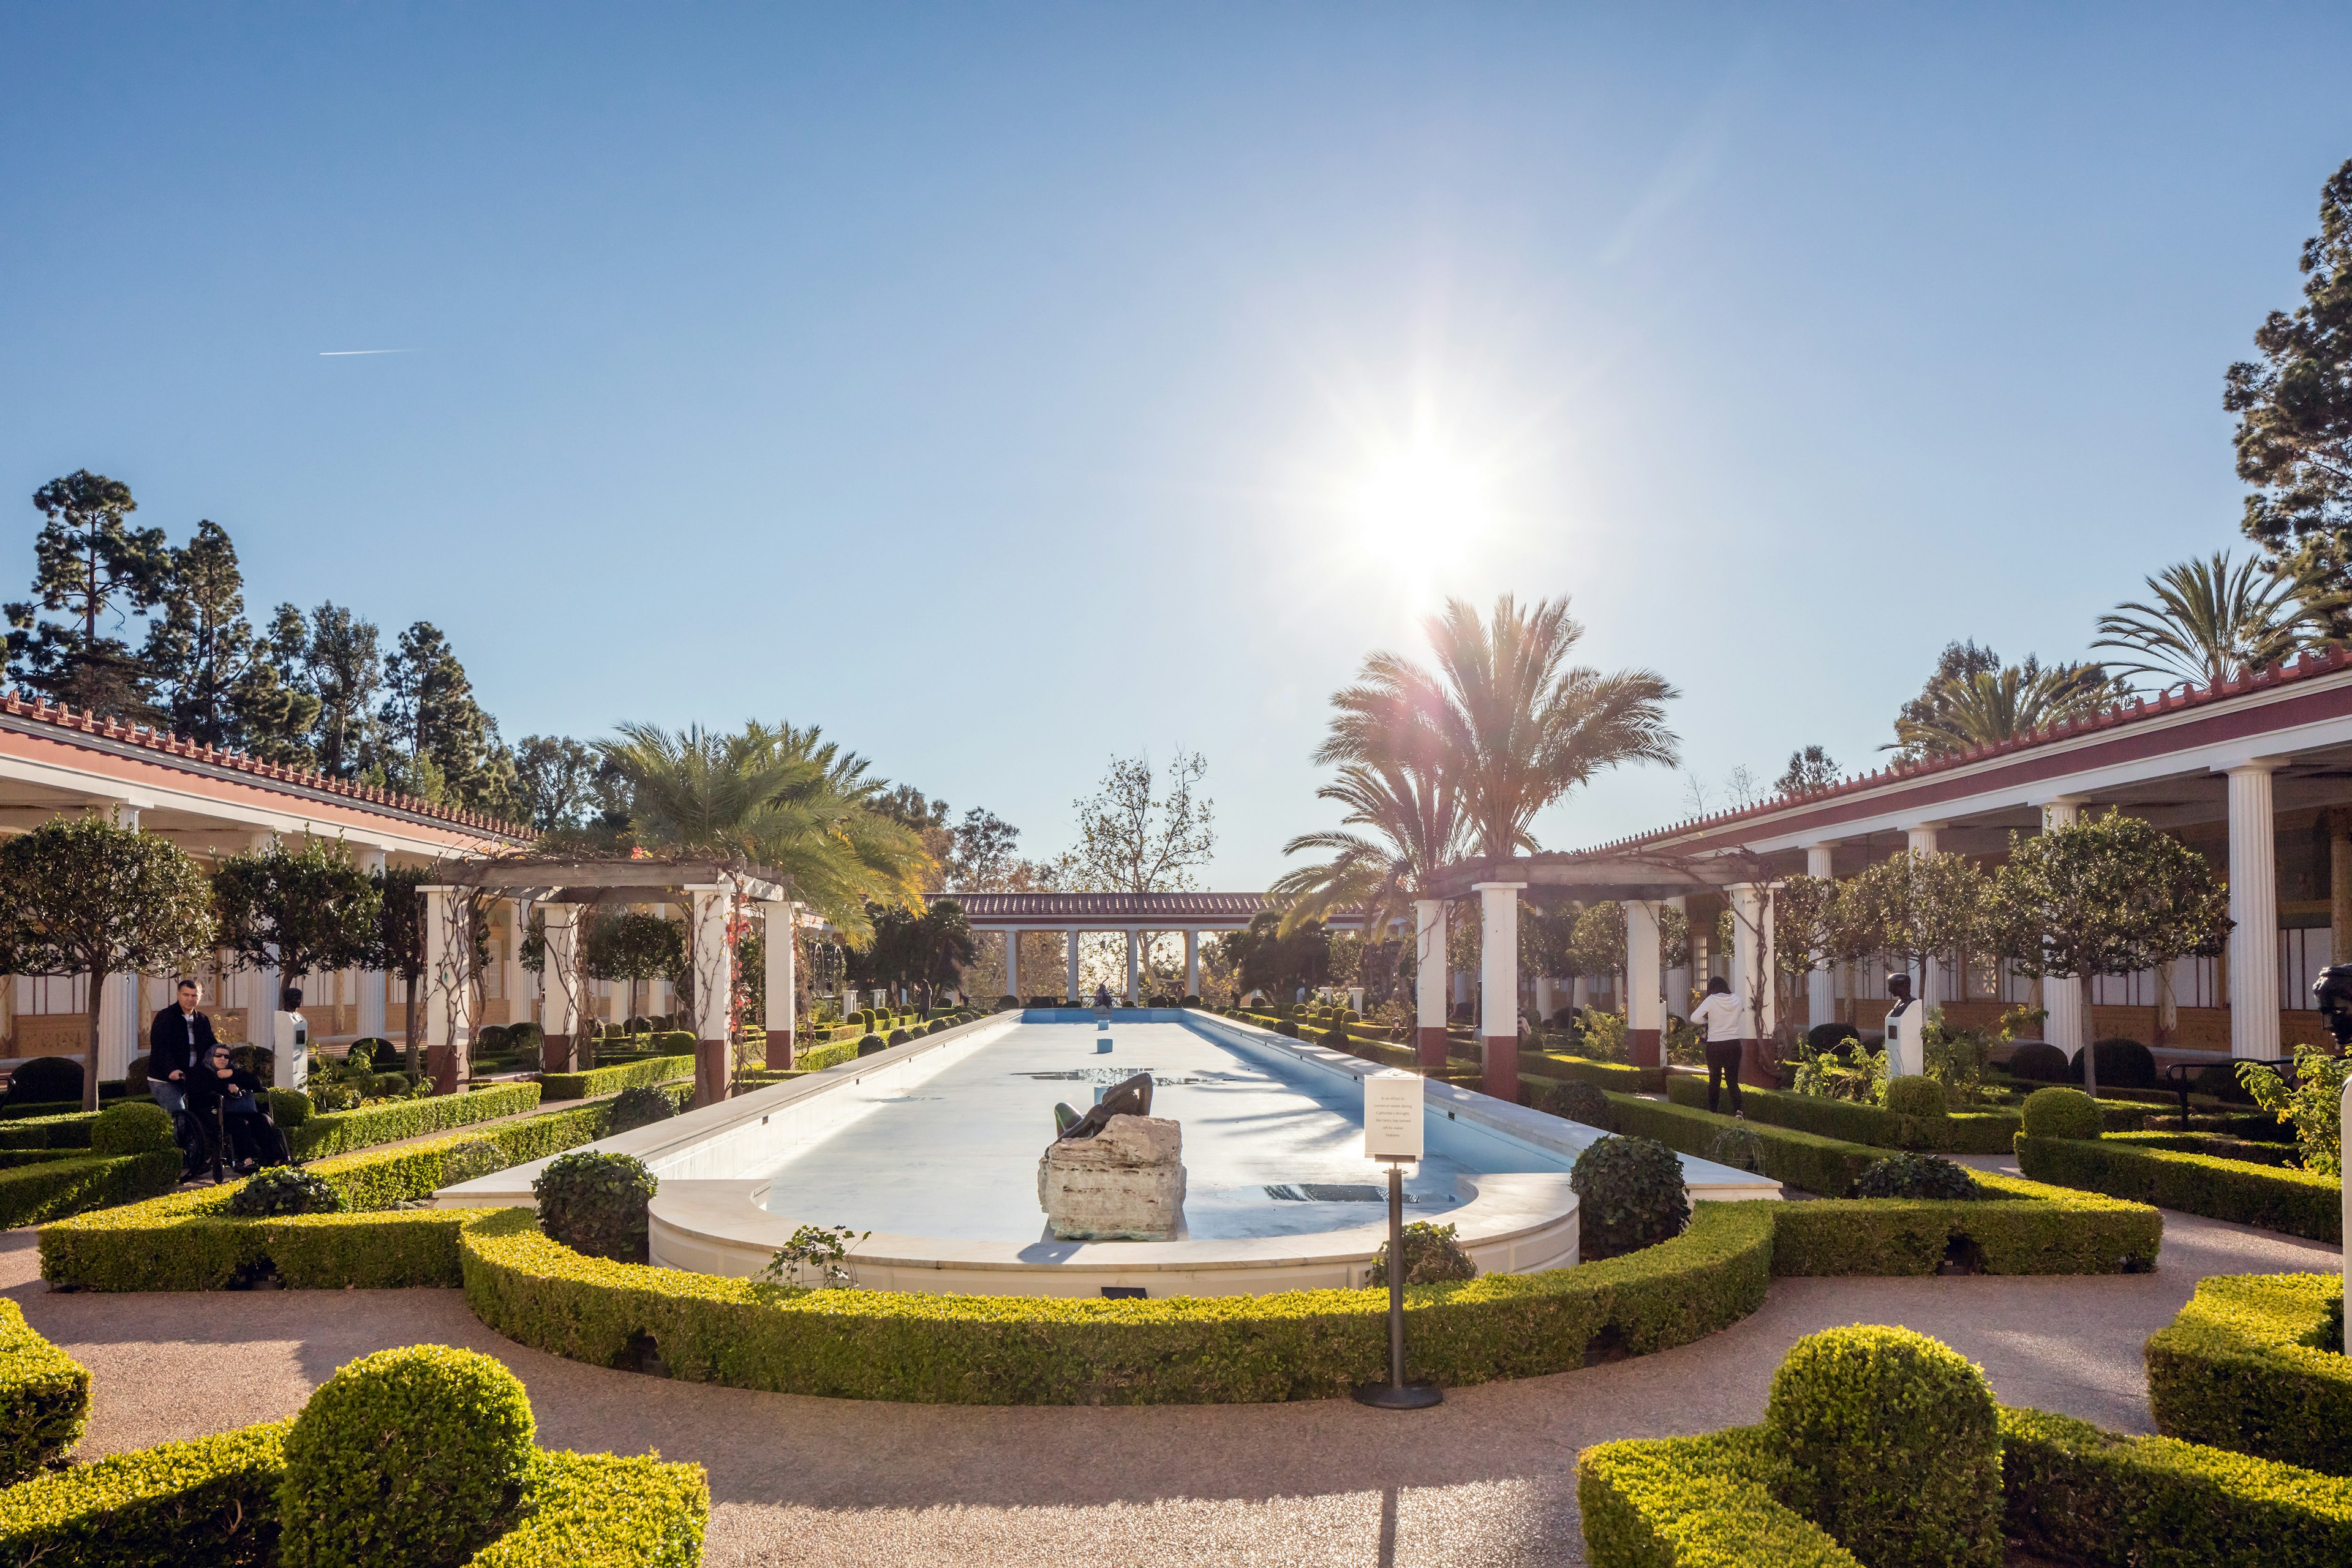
224,1098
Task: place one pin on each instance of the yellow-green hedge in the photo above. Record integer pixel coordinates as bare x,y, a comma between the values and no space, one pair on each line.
1013,1349
587,1085
44,1398
2024,1227
1696,1502
1960,1132
2297,1203
2240,1369
341,1132
54,1189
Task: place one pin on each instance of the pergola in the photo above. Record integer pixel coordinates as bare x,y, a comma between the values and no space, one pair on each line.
560,890
1135,915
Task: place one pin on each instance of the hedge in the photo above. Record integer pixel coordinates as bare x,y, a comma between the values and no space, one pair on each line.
2079,1493
68,1130
1013,1350
56,1188
1960,1132
343,1132
825,1056
189,1242
2296,1203
651,1070
2024,1227
2219,1145
2239,1369
1827,1166
1620,1077
44,1398
215,1500
2089,1495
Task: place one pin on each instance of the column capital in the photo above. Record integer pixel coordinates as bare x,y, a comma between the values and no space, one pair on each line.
2252,764
1928,825
1496,886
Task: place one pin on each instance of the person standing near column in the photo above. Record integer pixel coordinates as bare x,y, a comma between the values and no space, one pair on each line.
1724,1017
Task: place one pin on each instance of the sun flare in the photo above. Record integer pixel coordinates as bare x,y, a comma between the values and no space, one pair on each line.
1424,499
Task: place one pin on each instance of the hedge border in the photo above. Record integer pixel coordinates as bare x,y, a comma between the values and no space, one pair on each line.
1960,1132
344,1131
1706,1501
2239,1369
56,1189
651,1072
2022,1227
1013,1349
44,1398
2295,1203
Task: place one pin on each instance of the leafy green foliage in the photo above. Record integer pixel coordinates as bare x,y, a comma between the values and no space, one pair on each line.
296,909
2241,1368
1629,1193
1917,1176
641,1105
2299,1203
2038,1062
416,1456
650,1071
150,1505
45,1080
596,1204
2314,1107
1915,1096
1576,1101
1894,1447
283,1190
2060,1113
131,1127
44,1399
1432,1255
822,1250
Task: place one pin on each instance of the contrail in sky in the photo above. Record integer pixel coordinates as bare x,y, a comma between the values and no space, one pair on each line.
345,354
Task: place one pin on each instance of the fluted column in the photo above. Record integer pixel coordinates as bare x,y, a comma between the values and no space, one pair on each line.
2253,904
1930,978
2064,1000
1644,1010
1429,986
1820,986
1499,976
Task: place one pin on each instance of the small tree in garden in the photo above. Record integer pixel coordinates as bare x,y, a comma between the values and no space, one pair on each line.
637,946
2109,895
297,911
1916,907
942,946
85,897
400,944
1816,922
1598,943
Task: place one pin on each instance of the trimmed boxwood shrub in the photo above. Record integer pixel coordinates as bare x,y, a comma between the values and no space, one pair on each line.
1832,1036
1892,1446
132,1127
596,1204
2297,1203
2123,1064
899,1037
1990,1132
596,1081
870,1045
2060,1113
75,1184
345,1131
1581,1102
42,1080
1917,1176
2240,1368
2028,1229
2220,1079
212,1500
2038,1062
639,1106
44,1398
1630,1195
412,1456
1431,1256
1827,1166
1913,1095
283,1190
1010,1350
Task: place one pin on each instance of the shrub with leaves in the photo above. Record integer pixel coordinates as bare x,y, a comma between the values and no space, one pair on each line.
2037,1061
2060,1113
1915,1096
1740,1147
283,1190
1431,1256
471,1159
1842,1073
817,1257
641,1106
1917,1176
131,1127
415,1457
1576,1101
1602,1036
1630,1195
2314,1107
596,1204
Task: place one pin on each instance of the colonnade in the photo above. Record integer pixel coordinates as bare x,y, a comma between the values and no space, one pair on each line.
1134,934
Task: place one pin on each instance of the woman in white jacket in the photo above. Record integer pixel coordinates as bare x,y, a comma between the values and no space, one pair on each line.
1721,1014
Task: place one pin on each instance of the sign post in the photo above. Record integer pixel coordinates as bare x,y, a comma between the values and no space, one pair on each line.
1393,1133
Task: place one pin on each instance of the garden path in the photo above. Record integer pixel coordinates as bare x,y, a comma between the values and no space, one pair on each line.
1488,1479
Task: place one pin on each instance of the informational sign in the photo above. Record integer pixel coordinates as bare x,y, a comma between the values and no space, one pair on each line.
1392,1115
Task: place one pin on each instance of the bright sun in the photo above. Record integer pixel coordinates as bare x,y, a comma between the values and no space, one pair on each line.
1424,502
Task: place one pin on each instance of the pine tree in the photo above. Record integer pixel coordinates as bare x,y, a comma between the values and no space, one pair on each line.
275,713
344,671
198,651
89,565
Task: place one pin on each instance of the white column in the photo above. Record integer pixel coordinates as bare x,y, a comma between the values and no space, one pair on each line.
448,1032
1678,986
1645,1017
1752,958
1191,964
714,984
1070,950
1134,967
2067,1026
1013,964
371,860
1930,979
778,1000
518,978
1429,986
1580,993
2253,904
1820,986
1499,976
561,924
261,1017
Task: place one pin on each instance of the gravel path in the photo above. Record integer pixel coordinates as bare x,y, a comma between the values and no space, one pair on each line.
1488,1479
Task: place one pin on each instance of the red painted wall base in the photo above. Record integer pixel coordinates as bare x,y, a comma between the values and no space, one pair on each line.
1431,1042
1642,1045
780,1050
710,1072
1503,1067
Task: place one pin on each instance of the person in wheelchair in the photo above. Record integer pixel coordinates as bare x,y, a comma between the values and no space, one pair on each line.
225,1101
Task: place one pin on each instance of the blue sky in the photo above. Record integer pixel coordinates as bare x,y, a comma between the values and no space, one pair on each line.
1003,388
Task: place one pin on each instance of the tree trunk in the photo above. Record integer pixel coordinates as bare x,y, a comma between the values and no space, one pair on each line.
98,979
2089,1039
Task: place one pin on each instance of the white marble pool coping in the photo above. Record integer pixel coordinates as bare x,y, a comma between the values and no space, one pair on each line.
707,1219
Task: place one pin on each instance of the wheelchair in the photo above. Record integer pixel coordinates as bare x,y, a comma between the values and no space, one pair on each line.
211,1136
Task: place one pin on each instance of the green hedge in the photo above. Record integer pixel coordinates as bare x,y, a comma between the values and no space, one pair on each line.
2084,1495
68,1131
830,1055
1696,1503
2239,1369
1013,1349
56,1188
188,1241
2295,1201
215,1500
1962,1132
44,1398
1618,1076
1827,1166
2219,1145
346,1130
2023,1228
598,1081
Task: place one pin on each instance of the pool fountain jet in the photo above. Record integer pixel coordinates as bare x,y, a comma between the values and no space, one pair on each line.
1116,1174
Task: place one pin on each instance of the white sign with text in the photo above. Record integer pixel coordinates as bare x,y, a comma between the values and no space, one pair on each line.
1392,1115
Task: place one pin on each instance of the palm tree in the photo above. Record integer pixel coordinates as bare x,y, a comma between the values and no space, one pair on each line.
778,797
1416,826
1991,706
1504,720
2211,622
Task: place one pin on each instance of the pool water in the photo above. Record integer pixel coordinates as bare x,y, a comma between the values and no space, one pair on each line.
955,1154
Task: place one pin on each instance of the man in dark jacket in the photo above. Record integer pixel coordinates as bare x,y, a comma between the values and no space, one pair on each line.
176,1042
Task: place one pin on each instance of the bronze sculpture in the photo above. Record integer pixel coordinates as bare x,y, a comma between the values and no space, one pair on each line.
1132,1098
2333,991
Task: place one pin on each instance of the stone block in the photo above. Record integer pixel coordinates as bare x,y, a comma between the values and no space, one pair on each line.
1125,1184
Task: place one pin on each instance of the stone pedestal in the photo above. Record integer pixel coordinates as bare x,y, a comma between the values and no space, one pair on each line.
1125,1184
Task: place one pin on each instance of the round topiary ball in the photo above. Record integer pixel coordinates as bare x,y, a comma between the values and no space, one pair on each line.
1894,1444
1912,1095
1287,1028
899,1037
867,1043
46,1080
2039,1063
1917,1176
1738,1146
415,1456
640,1107
596,1204
283,1190
1630,1195
1832,1036
2123,1064
2060,1113
131,1127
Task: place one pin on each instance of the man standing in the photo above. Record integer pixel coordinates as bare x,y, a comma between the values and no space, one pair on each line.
176,1042
1719,1012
